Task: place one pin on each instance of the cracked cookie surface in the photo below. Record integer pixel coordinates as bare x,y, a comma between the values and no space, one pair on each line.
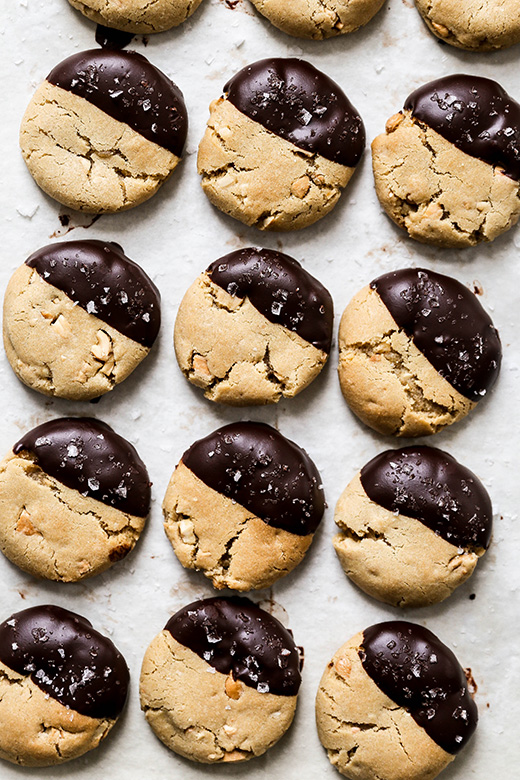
439,194
367,735
385,379
137,16
318,19
475,25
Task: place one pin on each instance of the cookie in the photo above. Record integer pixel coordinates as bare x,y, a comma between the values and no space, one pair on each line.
62,686
413,524
79,317
220,682
242,506
137,16
417,352
255,327
475,25
394,703
447,169
318,19
104,131
74,497
280,145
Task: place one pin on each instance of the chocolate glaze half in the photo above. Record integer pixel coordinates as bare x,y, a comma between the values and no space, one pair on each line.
68,659
447,324
234,635
299,103
88,456
127,87
432,487
280,289
418,672
254,465
99,278
109,38
475,114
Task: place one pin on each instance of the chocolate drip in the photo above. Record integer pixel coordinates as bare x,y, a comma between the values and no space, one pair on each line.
418,672
99,278
475,114
280,289
67,659
299,103
432,487
127,87
261,470
447,324
87,455
235,636
109,38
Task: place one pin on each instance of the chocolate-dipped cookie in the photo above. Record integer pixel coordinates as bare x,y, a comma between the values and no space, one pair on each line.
74,497
62,686
220,682
413,524
280,145
417,352
447,169
137,16
318,19
253,328
242,506
79,316
394,703
474,25
104,131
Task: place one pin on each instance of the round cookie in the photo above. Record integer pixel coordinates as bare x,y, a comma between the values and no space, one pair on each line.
318,19
255,327
79,317
242,506
104,131
248,700
280,145
416,352
413,524
74,497
394,703
137,16
62,686
475,25
447,169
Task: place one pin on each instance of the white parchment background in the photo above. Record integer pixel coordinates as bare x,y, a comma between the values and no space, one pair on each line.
174,237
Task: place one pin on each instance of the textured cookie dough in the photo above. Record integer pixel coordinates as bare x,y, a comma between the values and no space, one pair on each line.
367,735
210,718
56,347
439,194
318,19
387,382
137,16
62,686
475,25
395,558
261,179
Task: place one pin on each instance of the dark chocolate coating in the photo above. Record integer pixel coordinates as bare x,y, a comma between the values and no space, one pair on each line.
127,87
234,635
99,277
68,659
447,324
299,103
432,487
261,470
475,114
109,38
281,290
87,455
418,672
